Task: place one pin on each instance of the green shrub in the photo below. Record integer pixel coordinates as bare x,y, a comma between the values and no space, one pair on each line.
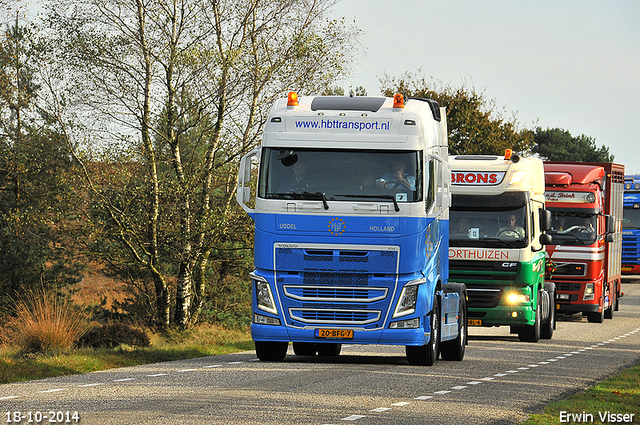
114,335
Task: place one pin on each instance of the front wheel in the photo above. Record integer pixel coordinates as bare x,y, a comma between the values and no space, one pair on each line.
546,332
426,355
596,317
531,333
608,313
271,351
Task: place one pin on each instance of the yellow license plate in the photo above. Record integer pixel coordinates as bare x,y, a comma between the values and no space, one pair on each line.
334,333
474,322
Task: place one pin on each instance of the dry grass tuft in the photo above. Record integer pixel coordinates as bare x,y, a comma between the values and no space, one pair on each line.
43,321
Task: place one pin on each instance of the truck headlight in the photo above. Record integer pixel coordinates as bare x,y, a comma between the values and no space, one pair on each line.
408,298
588,292
516,298
264,297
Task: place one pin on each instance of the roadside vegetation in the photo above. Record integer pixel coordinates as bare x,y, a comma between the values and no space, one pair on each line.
618,395
202,340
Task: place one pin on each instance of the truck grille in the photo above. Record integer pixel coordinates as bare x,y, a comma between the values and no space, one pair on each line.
484,296
332,294
485,280
567,286
338,317
571,269
331,285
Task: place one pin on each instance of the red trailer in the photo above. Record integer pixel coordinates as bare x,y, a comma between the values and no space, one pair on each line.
585,200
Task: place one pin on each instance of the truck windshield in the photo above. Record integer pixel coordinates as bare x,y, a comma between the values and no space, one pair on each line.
631,218
341,175
489,221
573,228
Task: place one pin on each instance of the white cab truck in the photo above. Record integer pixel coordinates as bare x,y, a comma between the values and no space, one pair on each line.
351,229
497,242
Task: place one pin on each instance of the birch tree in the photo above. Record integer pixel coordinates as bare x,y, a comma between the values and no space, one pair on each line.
174,92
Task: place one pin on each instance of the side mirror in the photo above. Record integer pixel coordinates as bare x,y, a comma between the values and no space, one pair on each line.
610,223
546,239
545,220
243,191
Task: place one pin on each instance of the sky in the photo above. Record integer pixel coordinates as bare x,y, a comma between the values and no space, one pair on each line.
570,64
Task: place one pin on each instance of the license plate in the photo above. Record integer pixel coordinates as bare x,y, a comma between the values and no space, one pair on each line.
334,333
474,322
626,268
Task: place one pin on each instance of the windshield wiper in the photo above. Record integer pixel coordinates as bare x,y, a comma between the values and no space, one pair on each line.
304,195
391,197
502,241
318,195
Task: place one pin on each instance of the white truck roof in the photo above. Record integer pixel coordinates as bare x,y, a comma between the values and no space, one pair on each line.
371,122
492,175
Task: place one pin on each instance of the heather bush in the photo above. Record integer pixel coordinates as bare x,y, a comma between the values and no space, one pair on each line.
114,335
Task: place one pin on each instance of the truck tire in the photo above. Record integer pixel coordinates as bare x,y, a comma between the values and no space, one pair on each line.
546,332
304,349
596,317
531,333
270,351
454,349
329,350
426,355
608,313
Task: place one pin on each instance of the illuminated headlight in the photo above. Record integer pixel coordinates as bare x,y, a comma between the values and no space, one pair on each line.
265,320
627,186
517,177
515,298
405,324
264,296
408,298
588,291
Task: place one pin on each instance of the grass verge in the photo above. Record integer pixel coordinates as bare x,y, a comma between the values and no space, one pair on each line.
618,395
172,345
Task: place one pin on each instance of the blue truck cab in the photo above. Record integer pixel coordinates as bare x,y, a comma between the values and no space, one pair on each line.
631,226
351,210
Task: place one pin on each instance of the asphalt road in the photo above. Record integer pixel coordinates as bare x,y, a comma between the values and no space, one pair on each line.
500,381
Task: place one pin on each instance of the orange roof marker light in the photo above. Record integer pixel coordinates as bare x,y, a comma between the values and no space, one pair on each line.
292,99
508,153
398,101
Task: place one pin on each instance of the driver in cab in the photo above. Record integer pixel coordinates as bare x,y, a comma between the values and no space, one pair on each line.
512,229
397,177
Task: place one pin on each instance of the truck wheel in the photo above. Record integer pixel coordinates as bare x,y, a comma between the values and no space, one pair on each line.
270,351
613,301
531,333
608,313
546,332
548,327
596,317
329,350
304,349
426,355
454,349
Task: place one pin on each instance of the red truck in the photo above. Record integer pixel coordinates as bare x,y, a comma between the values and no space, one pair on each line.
584,261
